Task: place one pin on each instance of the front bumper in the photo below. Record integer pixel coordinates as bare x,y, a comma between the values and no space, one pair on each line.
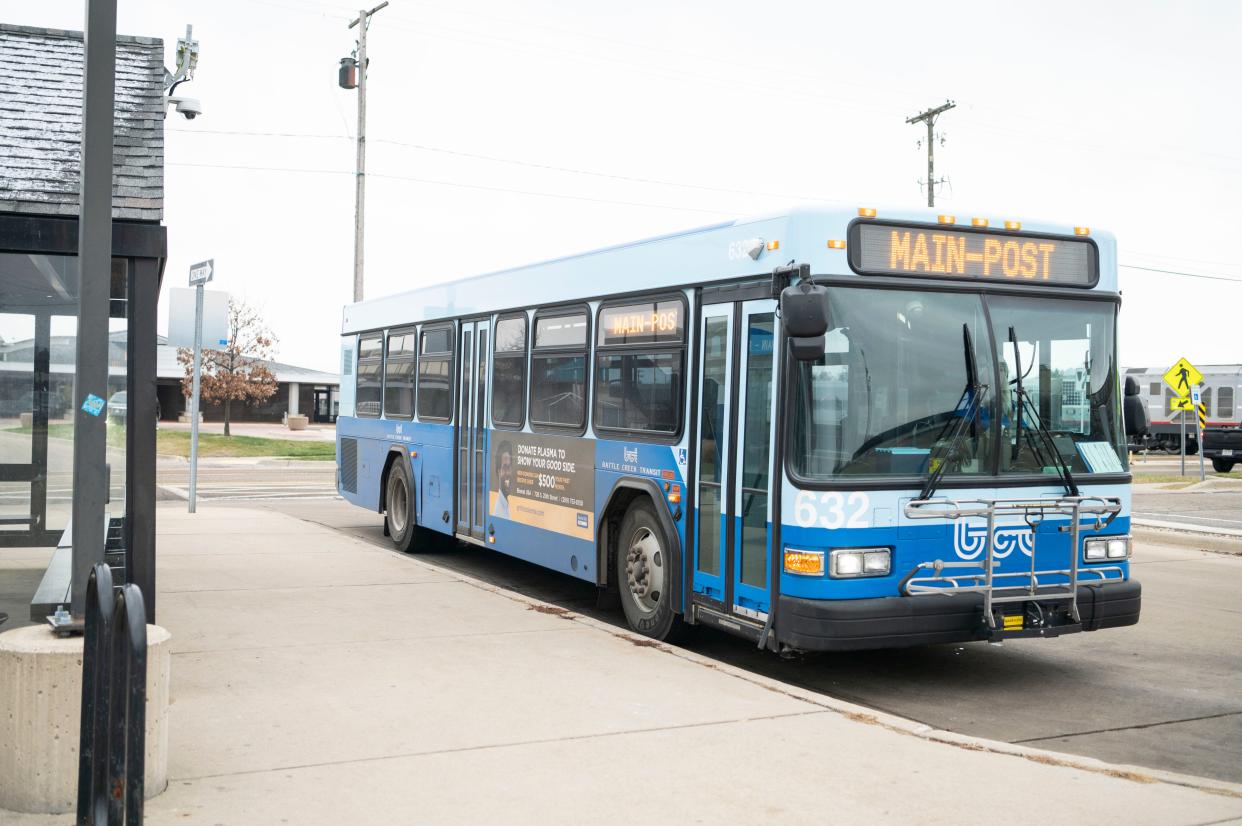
899,622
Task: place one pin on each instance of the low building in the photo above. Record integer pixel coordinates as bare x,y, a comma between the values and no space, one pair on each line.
301,391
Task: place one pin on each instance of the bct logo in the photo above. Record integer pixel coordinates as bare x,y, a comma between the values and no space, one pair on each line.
969,542
630,455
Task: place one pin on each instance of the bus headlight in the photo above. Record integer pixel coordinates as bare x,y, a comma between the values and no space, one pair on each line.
848,563
1106,547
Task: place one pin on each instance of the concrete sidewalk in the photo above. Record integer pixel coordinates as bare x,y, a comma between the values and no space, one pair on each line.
319,679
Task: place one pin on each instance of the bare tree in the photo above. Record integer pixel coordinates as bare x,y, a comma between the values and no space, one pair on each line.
239,371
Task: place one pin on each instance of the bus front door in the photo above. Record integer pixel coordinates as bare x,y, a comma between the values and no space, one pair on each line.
732,478
471,490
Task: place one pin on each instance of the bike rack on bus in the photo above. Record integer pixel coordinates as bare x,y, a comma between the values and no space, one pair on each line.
1104,509
114,695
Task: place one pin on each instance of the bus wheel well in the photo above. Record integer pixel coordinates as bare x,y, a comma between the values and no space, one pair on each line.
394,456
609,527
624,494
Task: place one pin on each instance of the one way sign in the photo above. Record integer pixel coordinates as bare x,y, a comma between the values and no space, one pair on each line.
202,272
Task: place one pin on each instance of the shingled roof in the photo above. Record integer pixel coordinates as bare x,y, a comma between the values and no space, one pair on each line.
41,124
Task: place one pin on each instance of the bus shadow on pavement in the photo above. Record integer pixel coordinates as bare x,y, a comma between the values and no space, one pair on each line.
880,678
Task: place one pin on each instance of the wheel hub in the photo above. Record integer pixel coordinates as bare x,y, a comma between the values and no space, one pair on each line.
644,569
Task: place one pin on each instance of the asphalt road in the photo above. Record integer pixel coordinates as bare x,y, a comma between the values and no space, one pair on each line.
241,480
1210,509
1165,694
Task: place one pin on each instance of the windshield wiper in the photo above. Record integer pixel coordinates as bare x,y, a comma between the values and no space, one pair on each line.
965,413
1024,405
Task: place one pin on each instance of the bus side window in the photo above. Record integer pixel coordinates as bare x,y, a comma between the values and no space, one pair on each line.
1224,404
509,373
370,376
638,367
558,366
435,374
399,376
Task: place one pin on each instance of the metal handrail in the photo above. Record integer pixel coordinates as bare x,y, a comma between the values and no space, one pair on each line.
111,762
1104,509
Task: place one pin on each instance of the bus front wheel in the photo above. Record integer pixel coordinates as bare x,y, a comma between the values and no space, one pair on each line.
399,507
644,574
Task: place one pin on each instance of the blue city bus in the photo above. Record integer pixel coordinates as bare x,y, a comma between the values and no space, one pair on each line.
825,430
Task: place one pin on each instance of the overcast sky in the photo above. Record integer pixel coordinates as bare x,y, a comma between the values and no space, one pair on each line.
502,133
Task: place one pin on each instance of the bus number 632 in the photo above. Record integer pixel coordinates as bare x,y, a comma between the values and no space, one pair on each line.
832,509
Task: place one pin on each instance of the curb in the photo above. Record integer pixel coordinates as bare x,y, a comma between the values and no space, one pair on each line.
1184,527
852,711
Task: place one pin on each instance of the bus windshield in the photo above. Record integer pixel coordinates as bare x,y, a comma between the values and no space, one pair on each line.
901,368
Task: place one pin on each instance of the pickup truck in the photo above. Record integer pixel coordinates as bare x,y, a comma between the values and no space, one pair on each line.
1223,445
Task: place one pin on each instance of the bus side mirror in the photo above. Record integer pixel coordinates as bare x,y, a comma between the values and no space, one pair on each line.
1133,410
804,312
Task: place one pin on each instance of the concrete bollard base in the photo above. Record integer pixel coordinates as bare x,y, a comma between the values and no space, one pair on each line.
40,713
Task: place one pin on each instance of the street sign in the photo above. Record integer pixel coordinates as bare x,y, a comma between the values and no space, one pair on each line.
202,272
1182,377
1181,403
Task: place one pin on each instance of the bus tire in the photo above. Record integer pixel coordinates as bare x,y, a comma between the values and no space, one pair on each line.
1222,465
644,574
399,517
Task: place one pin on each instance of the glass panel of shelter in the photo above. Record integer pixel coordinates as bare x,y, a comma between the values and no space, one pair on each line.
38,354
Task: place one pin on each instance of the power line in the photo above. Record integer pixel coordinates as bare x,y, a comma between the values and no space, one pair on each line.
528,164
1179,272
457,184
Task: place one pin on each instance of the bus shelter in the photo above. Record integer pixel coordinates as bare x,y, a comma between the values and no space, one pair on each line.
40,149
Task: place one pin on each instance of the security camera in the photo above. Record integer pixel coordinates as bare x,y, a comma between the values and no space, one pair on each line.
190,107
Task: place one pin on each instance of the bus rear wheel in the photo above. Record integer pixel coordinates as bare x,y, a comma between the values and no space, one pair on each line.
644,574
399,508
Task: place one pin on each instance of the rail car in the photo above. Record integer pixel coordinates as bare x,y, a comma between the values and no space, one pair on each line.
1220,389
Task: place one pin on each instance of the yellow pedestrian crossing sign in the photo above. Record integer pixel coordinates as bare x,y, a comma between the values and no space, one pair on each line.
1181,377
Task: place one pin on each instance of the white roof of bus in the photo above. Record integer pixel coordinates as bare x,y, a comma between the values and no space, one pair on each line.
688,257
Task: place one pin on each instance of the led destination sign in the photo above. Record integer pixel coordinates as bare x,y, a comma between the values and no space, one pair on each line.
884,249
645,323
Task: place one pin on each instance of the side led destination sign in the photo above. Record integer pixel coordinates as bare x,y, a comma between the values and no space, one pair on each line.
646,323
938,252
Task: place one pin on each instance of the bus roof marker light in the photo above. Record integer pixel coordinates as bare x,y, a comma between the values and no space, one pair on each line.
836,245
866,212
1082,230
1013,225
946,219
774,245
978,222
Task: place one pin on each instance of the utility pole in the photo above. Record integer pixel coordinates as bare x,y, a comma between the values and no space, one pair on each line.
929,117
363,22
